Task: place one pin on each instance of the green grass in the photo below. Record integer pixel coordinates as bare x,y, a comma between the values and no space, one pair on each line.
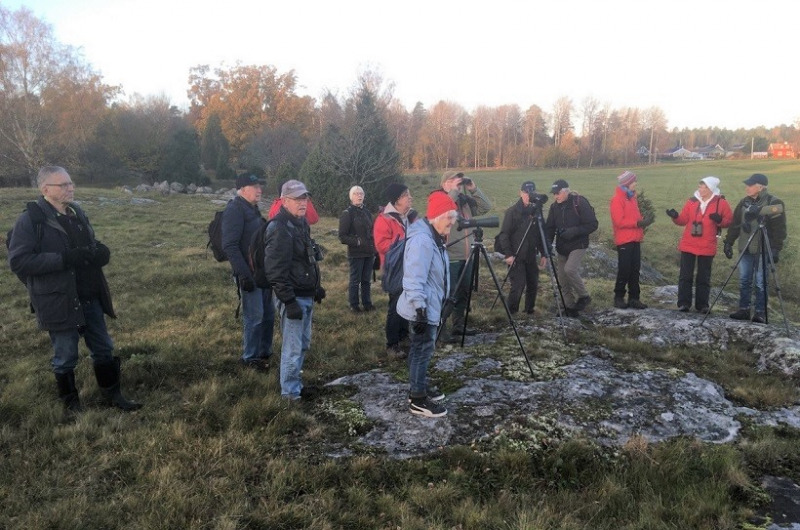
216,447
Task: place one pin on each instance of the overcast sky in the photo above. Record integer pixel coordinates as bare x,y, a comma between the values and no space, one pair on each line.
710,63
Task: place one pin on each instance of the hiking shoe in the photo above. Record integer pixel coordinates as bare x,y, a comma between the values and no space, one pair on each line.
742,314
583,302
258,365
433,394
619,303
572,312
469,332
636,304
368,308
355,309
702,310
309,392
759,318
396,353
423,406
683,309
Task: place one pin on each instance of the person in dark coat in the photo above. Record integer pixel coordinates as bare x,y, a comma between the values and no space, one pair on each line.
521,241
61,262
570,220
355,231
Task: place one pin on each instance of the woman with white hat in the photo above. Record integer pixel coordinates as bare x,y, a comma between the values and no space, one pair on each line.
703,216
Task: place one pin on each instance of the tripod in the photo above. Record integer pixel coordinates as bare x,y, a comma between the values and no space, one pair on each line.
556,285
476,250
766,258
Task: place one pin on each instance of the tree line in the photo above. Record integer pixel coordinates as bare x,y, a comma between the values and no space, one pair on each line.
56,109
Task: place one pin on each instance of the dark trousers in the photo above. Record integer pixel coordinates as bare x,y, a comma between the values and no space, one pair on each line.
629,261
703,287
396,326
360,278
524,276
460,292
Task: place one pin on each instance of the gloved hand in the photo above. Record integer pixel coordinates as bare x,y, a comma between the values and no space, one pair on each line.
100,255
672,212
717,218
727,248
319,295
247,284
751,214
421,323
294,311
775,256
76,258
647,221
568,233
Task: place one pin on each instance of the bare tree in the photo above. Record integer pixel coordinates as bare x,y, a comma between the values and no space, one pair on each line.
562,118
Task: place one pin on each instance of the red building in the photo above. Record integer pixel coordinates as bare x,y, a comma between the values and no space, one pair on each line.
784,150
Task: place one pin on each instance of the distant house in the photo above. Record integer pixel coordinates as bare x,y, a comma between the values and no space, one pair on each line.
643,152
711,151
784,150
680,152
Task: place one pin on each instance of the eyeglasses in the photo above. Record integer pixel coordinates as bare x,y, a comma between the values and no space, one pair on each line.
305,198
63,185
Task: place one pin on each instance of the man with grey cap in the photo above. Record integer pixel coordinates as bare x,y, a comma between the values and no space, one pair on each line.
470,202
747,215
290,264
241,220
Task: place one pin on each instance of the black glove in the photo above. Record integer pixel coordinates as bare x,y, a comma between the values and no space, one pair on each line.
751,214
672,212
774,256
247,284
421,323
294,311
568,233
100,255
727,248
76,258
647,221
319,295
717,218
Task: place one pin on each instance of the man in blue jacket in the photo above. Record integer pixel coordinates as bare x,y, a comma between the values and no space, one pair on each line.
54,250
241,219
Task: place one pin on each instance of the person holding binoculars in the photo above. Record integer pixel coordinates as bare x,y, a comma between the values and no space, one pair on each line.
703,217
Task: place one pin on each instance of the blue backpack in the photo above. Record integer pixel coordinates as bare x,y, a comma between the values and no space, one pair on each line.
392,279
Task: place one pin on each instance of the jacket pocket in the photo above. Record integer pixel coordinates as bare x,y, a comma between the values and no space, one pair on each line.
51,303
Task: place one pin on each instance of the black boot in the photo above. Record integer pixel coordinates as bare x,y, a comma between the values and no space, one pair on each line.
67,392
107,375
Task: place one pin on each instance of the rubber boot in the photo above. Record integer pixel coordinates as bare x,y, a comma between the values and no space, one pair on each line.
67,392
108,376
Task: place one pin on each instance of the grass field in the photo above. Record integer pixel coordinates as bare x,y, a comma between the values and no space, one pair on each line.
216,448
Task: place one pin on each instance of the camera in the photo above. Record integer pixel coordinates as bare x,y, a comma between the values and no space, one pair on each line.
314,251
537,199
697,229
478,222
466,181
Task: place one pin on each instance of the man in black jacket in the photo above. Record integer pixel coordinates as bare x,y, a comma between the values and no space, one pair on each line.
241,219
290,263
570,221
520,240
54,249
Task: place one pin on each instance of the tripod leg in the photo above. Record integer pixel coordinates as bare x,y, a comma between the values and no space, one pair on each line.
769,257
734,268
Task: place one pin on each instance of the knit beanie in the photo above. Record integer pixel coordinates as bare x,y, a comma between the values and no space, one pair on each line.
626,179
439,203
712,183
394,191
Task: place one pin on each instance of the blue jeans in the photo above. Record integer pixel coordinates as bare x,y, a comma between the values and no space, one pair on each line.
95,335
419,356
258,320
360,277
296,342
750,265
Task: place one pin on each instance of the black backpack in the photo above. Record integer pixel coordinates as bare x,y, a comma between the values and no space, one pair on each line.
392,279
215,237
37,218
255,256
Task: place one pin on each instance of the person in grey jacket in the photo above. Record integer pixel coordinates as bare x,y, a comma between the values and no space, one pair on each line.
240,221
426,282
53,248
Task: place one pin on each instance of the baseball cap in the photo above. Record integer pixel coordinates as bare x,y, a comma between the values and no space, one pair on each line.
451,175
558,185
528,186
756,178
294,189
248,180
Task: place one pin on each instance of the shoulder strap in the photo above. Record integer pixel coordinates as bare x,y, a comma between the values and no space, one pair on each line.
38,219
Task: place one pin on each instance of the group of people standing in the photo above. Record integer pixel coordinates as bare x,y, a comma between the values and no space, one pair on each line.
53,249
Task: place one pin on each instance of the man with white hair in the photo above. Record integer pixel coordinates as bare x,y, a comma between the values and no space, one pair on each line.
746,219
703,216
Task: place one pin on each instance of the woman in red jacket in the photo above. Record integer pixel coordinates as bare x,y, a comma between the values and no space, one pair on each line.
703,216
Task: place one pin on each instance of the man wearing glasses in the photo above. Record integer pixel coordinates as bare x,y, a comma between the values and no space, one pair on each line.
290,263
53,249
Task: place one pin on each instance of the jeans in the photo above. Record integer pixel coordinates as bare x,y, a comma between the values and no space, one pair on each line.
629,263
750,265
396,326
296,342
569,274
419,356
524,276
258,321
95,335
703,287
360,276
